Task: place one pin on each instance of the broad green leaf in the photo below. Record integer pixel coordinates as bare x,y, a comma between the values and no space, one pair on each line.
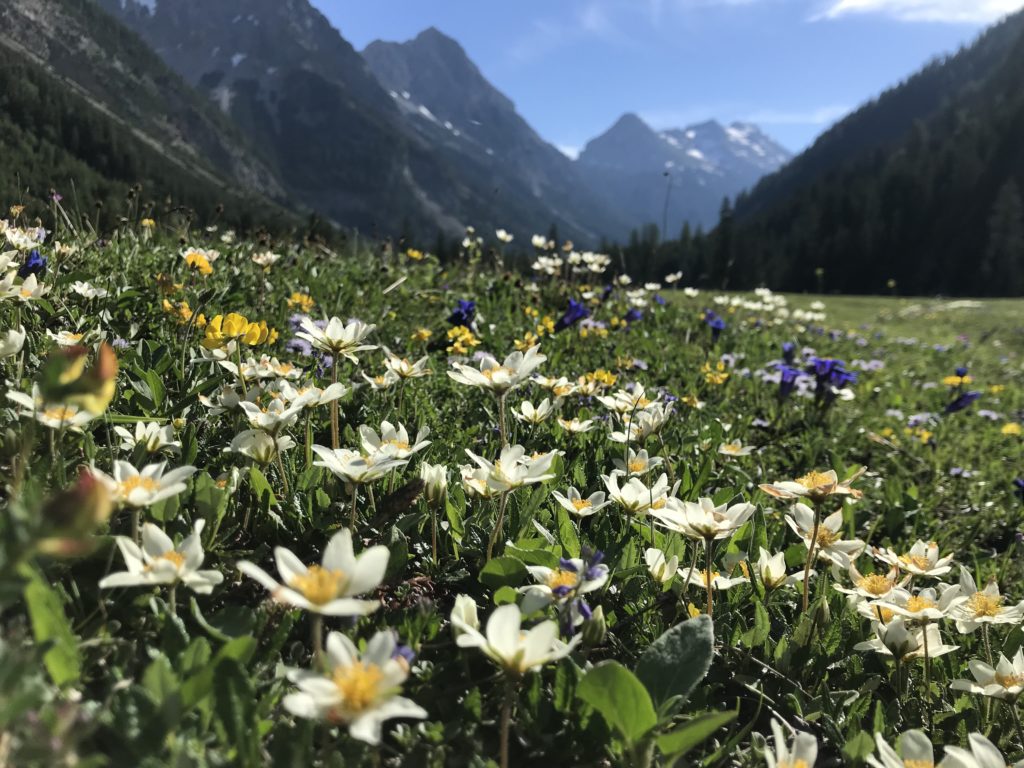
758,633
567,535
234,703
198,687
621,699
261,489
858,747
503,571
678,660
51,629
677,743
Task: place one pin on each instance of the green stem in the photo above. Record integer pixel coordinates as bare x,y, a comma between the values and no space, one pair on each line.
335,437
317,629
352,508
497,528
506,722
810,554
709,550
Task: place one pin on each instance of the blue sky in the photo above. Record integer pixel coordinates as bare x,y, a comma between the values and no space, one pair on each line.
792,66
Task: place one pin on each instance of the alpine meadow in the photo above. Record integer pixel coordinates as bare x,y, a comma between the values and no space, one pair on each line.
345,421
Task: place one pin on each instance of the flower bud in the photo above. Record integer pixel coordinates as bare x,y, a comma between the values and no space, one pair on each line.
435,480
595,629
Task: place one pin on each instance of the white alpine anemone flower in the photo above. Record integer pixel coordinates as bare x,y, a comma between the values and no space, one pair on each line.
358,691
150,436
923,559
259,446
913,750
30,288
275,417
576,426
695,577
514,469
331,587
574,503
337,338
983,606
474,481
560,387
673,277
702,519
771,569
815,486
529,414
638,426
662,568
572,578
499,377
52,415
1005,681
626,401
898,640
12,341
265,259
403,368
872,586
392,442
830,544
65,338
802,753
516,651
310,395
88,290
435,481
158,561
503,236
982,754
465,611
735,449
352,467
130,487
636,463
927,605
386,380
635,497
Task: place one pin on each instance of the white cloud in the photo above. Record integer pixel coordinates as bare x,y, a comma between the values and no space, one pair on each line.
944,11
816,116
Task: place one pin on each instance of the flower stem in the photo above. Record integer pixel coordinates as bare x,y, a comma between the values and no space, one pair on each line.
352,508
433,531
1012,704
506,722
135,525
317,628
709,550
810,554
335,437
497,528
172,599
280,468
927,680
501,420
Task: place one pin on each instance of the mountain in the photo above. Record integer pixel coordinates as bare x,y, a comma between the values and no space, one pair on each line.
677,175
445,99
922,186
86,103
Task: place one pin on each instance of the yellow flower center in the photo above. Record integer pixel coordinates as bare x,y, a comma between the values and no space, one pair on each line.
637,465
490,373
60,413
359,685
659,504
919,603
175,558
580,504
918,561
985,605
1008,681
731,448
132,483
794,764
826,538
318,585
815,480
562,578
704,577
875,584
402,445
918,764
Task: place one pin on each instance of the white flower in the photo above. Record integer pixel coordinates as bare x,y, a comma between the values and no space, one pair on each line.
352,467
915,751
922,560
673,277
642,424
25,239
403,368
52,415
515,651
802,753
475,481
691,293
30,288
626,401
158,561
574,503
816,486
65,338
702,519
637,463
873,586
265,259
926,605
572,578
130,487
696,577
11,341
310,395
771,569
661,569
1006,681
635,497
329,588
435,481
361,692
272,419
982,754
259,446
386,380
465,611
503,236
830,545
514,468
983,606
499,377
575,426
735,449
528,414
337,338
88,290
393,441
896,639
152,437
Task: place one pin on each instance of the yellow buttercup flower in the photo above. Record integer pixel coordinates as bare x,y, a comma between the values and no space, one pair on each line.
528,340
957,381
414,254
302,302
422,334
602,377
147,223
198,262
1012,428
166,284
995,389
717,375
462,340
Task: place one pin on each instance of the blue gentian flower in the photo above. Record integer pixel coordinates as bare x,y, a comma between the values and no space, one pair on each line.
577,311
633,316
464,313
35,264
962,401
715,323
788,352
1018,485
787,381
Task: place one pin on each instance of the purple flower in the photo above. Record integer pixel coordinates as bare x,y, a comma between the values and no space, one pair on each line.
985,413
577,311
961,371
787,380
299,346
659,300
120,343
464,313
960,472
788,352
35,264
962,401
633,316
1018,487
715,323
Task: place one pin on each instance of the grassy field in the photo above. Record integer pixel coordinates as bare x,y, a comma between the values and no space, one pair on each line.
264,505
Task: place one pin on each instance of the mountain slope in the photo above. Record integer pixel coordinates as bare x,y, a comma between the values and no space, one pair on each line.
86,103
921,186
446,100
678,175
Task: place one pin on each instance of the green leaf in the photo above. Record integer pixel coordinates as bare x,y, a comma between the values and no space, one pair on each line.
503,571
230,621
621,699
757,634
234,703
52,630
858,747
261,489
211,502
567,536
677,743
678,660
198,687
505,596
